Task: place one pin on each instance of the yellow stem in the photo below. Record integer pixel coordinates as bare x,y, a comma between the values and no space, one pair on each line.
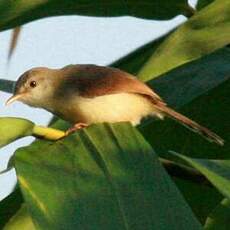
47,133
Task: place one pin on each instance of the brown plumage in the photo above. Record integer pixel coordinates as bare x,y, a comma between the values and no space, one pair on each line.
92,81
86,94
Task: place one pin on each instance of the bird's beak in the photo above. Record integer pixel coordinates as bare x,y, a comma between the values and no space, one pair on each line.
13,98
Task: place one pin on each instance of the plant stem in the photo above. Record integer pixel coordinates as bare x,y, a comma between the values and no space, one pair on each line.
47,133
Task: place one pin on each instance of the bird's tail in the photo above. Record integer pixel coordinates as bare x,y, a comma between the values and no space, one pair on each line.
195,127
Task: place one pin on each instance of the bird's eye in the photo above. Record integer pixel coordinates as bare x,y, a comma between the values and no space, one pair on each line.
33,84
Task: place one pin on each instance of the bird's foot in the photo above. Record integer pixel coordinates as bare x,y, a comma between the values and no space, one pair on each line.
75,128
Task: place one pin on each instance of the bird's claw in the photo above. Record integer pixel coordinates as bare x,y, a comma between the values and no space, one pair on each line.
75,128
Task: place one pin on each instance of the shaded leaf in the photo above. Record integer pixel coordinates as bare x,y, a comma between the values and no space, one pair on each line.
114,182
21,220
202,34
216,171
9,206
15,13
219,219
12,129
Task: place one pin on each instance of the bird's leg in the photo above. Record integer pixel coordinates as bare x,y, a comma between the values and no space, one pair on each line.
76,127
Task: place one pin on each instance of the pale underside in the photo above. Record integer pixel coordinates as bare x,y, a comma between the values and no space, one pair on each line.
107,108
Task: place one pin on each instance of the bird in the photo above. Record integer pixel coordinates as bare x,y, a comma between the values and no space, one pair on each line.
84,94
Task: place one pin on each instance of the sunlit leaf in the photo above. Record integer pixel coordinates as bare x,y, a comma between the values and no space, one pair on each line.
12,129
205,32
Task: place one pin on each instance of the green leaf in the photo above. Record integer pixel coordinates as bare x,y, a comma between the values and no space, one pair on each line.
14,13
102,177
21,220
205,32
6,85
12,129
199,90
216,171
9,206
219,219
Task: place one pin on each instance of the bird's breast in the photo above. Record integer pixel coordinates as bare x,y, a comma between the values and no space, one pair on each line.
108,108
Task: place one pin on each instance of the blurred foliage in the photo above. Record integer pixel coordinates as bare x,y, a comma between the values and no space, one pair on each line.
15,13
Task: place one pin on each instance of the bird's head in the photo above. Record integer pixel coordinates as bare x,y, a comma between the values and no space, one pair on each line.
34,87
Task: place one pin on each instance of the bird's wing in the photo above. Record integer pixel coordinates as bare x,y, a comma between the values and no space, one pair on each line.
92,81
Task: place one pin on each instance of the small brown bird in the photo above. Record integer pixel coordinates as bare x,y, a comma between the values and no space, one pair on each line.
87,94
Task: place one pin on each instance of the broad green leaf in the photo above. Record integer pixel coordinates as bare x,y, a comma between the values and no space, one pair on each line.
205,32
102,177
21,220
216,171
9,206
15,13
199,90
12,129
6,85
219,219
